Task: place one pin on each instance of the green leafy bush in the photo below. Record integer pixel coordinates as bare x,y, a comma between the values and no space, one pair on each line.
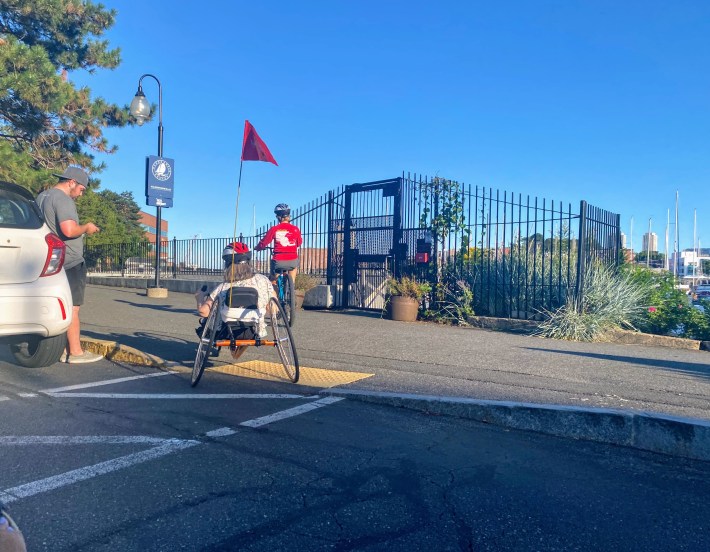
669,310
452,300
407,286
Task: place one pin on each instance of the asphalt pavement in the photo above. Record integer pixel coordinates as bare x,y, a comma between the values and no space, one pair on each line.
651,398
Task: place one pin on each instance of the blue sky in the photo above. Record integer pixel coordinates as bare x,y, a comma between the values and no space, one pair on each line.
600,100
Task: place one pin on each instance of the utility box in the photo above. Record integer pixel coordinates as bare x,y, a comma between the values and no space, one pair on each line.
423,251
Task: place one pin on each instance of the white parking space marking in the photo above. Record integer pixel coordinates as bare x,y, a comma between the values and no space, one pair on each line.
105,382
176,396
221,432
4,398
27,395
257,422
159,447
74,476
80,440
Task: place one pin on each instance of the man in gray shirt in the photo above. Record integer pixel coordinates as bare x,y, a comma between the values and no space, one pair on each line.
59,211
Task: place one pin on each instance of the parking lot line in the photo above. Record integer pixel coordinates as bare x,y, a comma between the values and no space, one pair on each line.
177,396
104,382
295,411
81,474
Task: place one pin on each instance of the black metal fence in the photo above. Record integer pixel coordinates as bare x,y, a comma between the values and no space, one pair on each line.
518,254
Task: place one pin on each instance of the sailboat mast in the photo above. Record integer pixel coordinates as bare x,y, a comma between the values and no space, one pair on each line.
675,241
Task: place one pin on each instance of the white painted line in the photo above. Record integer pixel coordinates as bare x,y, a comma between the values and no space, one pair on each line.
221,432
174,396
81,440
4,398
27,395
257,422
105,382
81,474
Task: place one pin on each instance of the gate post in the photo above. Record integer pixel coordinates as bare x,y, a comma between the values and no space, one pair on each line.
398,247
347,251
581,253
331,237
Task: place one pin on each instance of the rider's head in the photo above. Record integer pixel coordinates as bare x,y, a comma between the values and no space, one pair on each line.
236,253
282,211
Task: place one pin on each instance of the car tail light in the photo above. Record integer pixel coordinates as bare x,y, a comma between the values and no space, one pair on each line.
55,255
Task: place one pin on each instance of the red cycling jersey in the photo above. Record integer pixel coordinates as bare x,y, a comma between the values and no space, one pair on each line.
287,239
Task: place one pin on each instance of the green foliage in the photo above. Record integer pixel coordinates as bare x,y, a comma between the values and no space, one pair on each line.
46,122
453,300
653,256
443,212
696,322
115,214
669,311
408,287
525,278
611,299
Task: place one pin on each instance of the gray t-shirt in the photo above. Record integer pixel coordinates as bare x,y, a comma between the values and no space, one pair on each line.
58,207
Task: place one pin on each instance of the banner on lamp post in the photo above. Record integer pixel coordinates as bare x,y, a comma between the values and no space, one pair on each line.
159,181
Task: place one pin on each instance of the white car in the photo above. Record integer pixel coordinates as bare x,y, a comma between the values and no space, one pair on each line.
35,298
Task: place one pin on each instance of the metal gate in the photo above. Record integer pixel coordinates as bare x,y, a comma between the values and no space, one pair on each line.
371,228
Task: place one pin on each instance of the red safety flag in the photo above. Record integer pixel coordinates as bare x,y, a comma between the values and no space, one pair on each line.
253,147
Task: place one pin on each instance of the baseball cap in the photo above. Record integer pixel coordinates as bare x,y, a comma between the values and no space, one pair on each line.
76,174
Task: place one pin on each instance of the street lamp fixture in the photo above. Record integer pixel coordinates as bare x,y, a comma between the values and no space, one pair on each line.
140,109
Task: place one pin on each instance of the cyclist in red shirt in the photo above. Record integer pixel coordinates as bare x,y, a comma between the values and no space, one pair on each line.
286,238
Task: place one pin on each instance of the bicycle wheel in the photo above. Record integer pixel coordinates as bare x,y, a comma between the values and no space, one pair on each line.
206,342
284,340
289,298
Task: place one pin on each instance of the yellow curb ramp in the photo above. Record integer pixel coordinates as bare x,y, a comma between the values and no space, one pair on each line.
113,350
254,369
274,371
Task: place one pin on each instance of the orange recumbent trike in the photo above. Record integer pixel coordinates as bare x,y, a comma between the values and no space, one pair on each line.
238,322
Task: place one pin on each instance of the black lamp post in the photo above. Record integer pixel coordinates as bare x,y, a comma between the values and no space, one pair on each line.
140,109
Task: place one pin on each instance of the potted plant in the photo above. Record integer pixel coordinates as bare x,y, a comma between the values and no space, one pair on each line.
406,294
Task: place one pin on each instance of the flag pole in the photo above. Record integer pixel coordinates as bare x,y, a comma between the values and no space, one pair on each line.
236,211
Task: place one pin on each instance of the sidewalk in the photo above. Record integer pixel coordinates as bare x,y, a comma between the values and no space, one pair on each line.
647,397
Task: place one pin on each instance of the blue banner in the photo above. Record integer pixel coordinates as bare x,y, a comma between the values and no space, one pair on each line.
159,179
159,201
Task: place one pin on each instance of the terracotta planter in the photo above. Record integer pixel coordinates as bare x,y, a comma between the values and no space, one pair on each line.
404,309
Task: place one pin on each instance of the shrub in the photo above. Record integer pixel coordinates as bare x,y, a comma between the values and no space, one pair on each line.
453,300
305,282
408,287
611,299
669,310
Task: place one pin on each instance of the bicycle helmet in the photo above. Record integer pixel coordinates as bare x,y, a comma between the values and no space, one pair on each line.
282,210
236,252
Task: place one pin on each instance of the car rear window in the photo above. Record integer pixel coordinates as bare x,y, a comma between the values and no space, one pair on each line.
17,211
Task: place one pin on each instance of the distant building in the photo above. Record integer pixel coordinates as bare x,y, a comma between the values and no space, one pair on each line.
689,264
650,242
149,222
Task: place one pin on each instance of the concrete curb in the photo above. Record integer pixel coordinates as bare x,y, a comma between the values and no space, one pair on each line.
675,436
683,437
122,353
